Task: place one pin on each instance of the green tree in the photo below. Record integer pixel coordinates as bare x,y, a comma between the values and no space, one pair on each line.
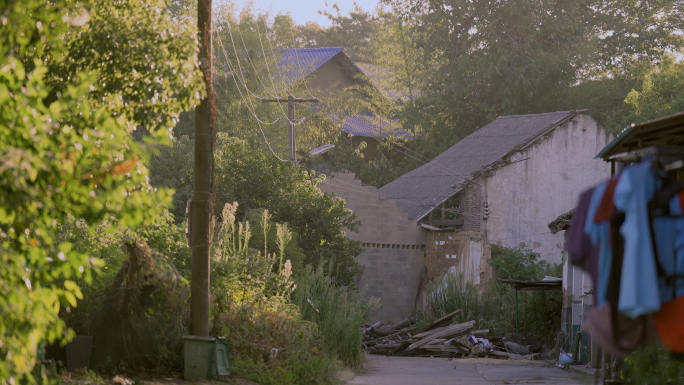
353,31
67,151
661,92
490,58
258,181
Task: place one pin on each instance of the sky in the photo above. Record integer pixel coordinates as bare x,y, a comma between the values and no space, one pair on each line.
307,10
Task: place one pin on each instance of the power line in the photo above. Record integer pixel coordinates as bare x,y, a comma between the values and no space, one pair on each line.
249,104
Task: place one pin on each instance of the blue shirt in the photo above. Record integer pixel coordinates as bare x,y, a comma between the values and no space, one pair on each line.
639,293
600,235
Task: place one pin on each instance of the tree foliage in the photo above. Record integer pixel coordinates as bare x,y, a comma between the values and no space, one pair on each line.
66,149
258,181
486,59
661,93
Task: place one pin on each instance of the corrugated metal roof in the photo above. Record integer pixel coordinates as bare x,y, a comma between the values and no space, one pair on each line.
667,131
421,190
297,63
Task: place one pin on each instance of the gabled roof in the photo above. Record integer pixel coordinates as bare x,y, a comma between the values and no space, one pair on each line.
295,64
425,188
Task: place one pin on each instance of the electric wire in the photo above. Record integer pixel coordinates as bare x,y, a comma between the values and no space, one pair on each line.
242,75
250,107
247,101
294,44
274,94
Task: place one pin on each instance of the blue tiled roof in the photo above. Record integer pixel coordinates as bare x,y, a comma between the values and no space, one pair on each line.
366,124
297,63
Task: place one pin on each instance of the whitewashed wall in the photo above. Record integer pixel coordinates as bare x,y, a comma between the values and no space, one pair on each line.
542,182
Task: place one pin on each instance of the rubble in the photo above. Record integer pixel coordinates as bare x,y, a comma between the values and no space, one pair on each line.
441,338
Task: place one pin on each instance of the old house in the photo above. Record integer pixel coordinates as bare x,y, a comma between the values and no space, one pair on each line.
664,133
502,184
327,73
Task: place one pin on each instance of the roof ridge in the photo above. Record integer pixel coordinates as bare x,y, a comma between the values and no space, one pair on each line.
543,114
313,49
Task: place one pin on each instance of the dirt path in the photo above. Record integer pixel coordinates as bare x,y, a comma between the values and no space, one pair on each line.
476,371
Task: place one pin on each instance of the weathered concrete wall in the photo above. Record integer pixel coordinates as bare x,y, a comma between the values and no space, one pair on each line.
467,251
393,256
542,182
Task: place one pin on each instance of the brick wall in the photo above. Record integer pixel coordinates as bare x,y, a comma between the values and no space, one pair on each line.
468,251
471,206
394,247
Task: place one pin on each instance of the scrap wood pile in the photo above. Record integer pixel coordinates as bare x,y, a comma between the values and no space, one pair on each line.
440,338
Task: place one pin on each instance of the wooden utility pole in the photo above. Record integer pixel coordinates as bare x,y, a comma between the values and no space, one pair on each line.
201,206
291,100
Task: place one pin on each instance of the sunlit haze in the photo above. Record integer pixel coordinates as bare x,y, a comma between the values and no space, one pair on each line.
307,10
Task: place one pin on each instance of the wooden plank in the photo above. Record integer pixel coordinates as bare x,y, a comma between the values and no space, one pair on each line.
387,337
438,321
427,333
451,331
399,348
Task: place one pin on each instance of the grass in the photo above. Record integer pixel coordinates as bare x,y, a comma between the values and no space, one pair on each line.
338,312
493,307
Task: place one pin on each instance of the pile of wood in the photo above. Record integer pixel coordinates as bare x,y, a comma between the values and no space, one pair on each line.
440,338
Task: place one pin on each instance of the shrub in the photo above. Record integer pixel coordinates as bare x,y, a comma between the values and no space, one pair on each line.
136,305
517,263
270,342
654,365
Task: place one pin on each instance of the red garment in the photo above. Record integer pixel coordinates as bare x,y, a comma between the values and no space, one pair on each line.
669,321
607,207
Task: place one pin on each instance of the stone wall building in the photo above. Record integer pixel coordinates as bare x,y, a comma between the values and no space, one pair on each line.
500,185
509,179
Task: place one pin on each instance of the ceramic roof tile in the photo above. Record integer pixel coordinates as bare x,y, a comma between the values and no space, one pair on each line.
421,190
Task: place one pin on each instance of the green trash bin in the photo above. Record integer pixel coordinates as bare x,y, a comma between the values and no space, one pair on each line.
222,357
205,358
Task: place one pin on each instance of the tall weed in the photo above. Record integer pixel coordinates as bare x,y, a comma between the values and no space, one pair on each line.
338,312
272,342
492,305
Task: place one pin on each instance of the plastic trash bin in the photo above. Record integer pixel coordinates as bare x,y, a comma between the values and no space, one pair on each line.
222,357
205,357
199,358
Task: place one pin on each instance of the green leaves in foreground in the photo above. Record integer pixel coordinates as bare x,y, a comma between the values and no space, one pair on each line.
67,150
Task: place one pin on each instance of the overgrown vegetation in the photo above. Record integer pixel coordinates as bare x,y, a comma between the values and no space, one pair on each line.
492,306
653,365
260,181
282,329
66,115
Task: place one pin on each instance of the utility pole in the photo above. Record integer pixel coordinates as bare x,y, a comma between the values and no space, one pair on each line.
291,100
201,206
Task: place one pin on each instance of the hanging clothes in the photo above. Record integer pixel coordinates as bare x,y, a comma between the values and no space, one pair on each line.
635,224
582,251
669,320
639,293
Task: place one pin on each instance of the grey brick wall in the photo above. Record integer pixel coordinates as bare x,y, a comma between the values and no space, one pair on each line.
393,255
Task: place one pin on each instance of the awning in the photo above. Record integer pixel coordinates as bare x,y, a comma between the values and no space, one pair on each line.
548,283
667,131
